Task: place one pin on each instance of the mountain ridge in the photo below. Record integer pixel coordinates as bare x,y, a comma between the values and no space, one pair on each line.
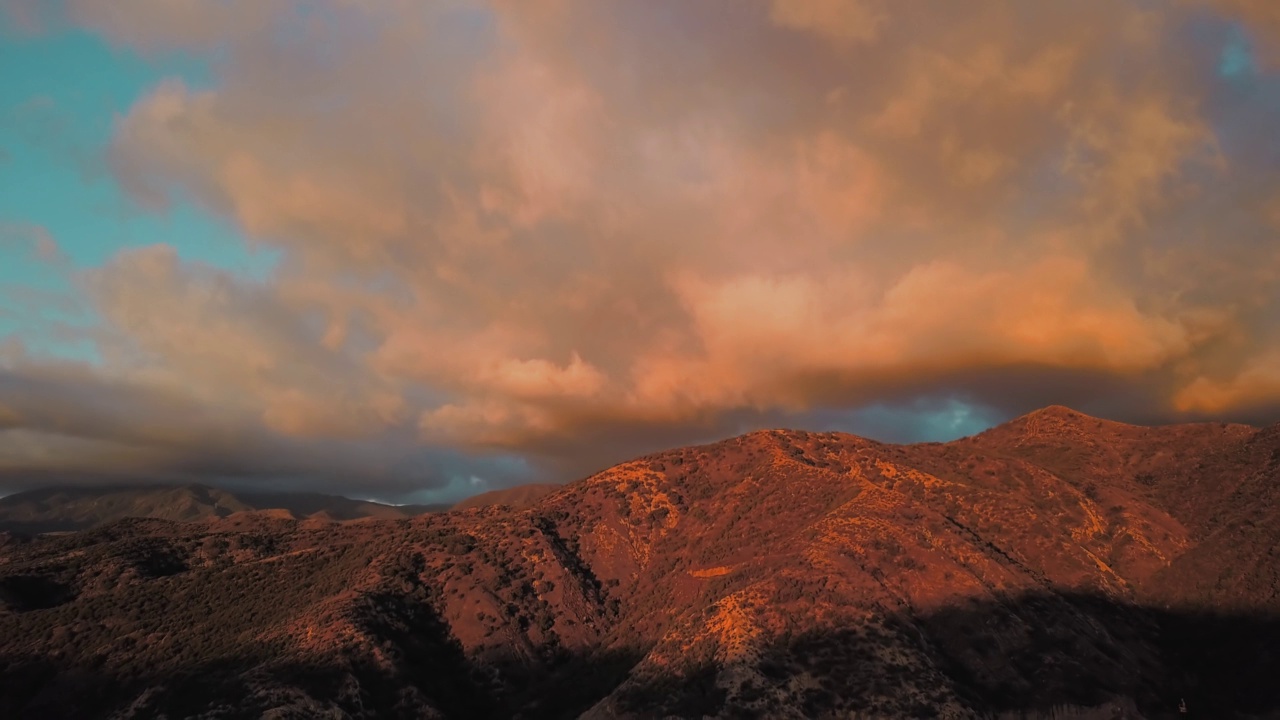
775,574
71,508
196,501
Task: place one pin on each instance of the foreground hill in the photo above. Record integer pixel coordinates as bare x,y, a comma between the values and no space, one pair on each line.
78,508
1057,566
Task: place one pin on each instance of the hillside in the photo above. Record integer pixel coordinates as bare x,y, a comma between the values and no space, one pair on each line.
79,508
518,497
1218,480
1057,566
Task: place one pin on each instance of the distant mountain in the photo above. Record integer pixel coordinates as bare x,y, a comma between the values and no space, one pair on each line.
518,497
79,508
1058,566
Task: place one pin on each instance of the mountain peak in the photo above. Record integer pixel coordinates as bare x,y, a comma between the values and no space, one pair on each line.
1053,420
1061,411
1061,414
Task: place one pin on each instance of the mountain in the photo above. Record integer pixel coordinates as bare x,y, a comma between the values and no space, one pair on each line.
1058,566
518,497
1218,480
78,508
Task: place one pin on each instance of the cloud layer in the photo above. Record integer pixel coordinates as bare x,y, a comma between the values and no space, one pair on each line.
571,230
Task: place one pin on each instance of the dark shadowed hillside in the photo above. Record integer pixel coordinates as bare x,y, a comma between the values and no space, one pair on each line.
1058,566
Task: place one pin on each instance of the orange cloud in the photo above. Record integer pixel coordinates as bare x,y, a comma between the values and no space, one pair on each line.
534,225
757,332
1256,384
838,20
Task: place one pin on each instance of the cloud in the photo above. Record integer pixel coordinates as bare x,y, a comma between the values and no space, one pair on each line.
67,421
26,17
33,242
248,344
1257,383
838,20
159,25
1263,20
572,231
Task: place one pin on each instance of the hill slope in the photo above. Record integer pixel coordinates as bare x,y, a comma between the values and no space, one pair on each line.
78,508
518,497
1057,566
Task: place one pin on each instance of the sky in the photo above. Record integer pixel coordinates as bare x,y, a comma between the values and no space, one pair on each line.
412,251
